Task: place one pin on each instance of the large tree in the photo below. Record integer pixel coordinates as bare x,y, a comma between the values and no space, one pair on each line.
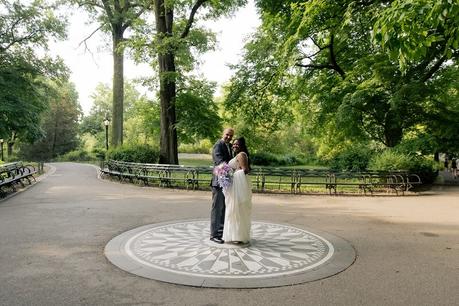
25,30
59,124
177,38
116,17
346,85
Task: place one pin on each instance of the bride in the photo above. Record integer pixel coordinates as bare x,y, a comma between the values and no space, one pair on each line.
238,197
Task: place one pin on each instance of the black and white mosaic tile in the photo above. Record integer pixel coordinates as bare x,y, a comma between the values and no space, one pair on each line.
180,252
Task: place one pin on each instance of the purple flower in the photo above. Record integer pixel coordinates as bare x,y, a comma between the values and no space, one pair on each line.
224,174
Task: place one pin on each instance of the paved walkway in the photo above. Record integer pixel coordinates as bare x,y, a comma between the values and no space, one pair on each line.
52,239
446,177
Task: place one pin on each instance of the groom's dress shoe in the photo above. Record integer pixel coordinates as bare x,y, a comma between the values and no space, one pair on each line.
217,240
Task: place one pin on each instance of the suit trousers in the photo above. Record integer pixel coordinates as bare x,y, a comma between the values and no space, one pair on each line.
217,213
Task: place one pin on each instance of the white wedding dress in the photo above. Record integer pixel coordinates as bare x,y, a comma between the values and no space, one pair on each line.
238,201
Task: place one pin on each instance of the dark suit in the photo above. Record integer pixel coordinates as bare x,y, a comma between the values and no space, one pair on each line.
220,154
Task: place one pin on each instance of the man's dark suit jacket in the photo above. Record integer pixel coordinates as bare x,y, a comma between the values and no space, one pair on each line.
220,154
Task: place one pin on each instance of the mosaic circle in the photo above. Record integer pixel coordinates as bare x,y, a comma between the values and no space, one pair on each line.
181,252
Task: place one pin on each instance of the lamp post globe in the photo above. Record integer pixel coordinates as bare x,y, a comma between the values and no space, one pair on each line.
106,123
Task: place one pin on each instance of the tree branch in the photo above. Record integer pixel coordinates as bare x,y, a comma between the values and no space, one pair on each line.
433,69
315,43
189,23
108,10
332,63
90,3
315,66
88,37
262,88
310,57
332,58
117,6
129,22
21,39
169,20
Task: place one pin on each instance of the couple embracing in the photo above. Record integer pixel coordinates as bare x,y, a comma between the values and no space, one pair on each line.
232,203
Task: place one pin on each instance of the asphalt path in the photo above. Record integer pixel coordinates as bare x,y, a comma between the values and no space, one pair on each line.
52,239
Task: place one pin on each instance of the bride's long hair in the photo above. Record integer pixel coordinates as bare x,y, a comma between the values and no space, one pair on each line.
243,148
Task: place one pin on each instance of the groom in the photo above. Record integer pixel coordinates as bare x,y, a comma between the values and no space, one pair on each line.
221,152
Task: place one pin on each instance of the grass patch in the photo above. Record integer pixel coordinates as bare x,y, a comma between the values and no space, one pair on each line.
195,162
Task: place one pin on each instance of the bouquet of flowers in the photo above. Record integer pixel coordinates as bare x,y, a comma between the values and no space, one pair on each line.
224,174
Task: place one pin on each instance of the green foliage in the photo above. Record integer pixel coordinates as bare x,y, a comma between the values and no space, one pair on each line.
143,123
99,153
185,43
59,125
141,117
273,160
75,156
27,26
204,147
260,93
263,159
102,106
22,92
318,64
25,66
134,153
392,159
12,158
353,158
441,124
197,113
409,29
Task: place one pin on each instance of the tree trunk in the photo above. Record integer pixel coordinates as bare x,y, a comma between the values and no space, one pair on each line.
118,88
54,140
168,142
393,130
9,151
10,145
393,136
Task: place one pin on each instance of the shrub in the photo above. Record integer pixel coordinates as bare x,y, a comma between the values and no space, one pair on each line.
269,159
136,153
203,147
264,159
77,155
99,153
355,158
12,158
426,169
391,159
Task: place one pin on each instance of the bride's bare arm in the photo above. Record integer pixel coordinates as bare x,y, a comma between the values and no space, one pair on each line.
243,162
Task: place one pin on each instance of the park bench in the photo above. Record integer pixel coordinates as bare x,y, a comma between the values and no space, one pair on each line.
375,181
297,180
15,173
265,179
274,179
172,176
